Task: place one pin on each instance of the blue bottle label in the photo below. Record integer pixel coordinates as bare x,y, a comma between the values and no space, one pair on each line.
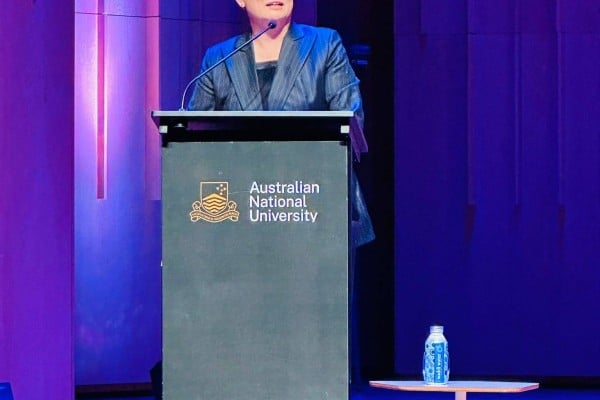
436,363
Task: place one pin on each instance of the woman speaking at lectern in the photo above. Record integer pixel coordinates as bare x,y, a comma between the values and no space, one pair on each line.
284,66
291,67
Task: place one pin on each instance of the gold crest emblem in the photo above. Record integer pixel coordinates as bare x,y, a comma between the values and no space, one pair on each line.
214,204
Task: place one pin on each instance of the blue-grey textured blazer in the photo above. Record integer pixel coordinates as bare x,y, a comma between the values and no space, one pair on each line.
313,73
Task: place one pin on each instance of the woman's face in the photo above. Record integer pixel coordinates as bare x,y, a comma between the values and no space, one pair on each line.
260,12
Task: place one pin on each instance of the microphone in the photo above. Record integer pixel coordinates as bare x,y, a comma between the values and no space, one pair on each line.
271,25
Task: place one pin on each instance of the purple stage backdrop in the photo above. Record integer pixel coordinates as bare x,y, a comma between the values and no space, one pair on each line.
36,204
117,207
498,184
130,58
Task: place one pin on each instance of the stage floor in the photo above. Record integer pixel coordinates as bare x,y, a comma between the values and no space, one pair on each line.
539,394
367,393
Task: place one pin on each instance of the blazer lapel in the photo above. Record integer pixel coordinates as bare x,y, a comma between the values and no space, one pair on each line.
294,52
243,76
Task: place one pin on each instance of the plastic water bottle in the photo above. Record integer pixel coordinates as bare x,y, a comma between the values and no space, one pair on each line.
436,359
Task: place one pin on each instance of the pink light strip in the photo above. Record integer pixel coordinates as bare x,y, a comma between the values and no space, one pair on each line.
100,133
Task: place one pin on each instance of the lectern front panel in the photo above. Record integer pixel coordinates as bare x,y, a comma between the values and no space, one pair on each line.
255,270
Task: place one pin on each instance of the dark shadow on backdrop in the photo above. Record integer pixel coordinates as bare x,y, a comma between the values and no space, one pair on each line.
5,391
367,30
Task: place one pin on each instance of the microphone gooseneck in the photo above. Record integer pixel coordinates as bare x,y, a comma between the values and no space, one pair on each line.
270,25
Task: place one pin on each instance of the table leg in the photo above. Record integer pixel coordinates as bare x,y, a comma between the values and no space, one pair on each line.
460,396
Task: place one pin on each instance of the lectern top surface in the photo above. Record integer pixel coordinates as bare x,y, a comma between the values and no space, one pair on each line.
253,114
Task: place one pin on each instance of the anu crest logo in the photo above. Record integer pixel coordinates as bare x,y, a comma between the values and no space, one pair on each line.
214,204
